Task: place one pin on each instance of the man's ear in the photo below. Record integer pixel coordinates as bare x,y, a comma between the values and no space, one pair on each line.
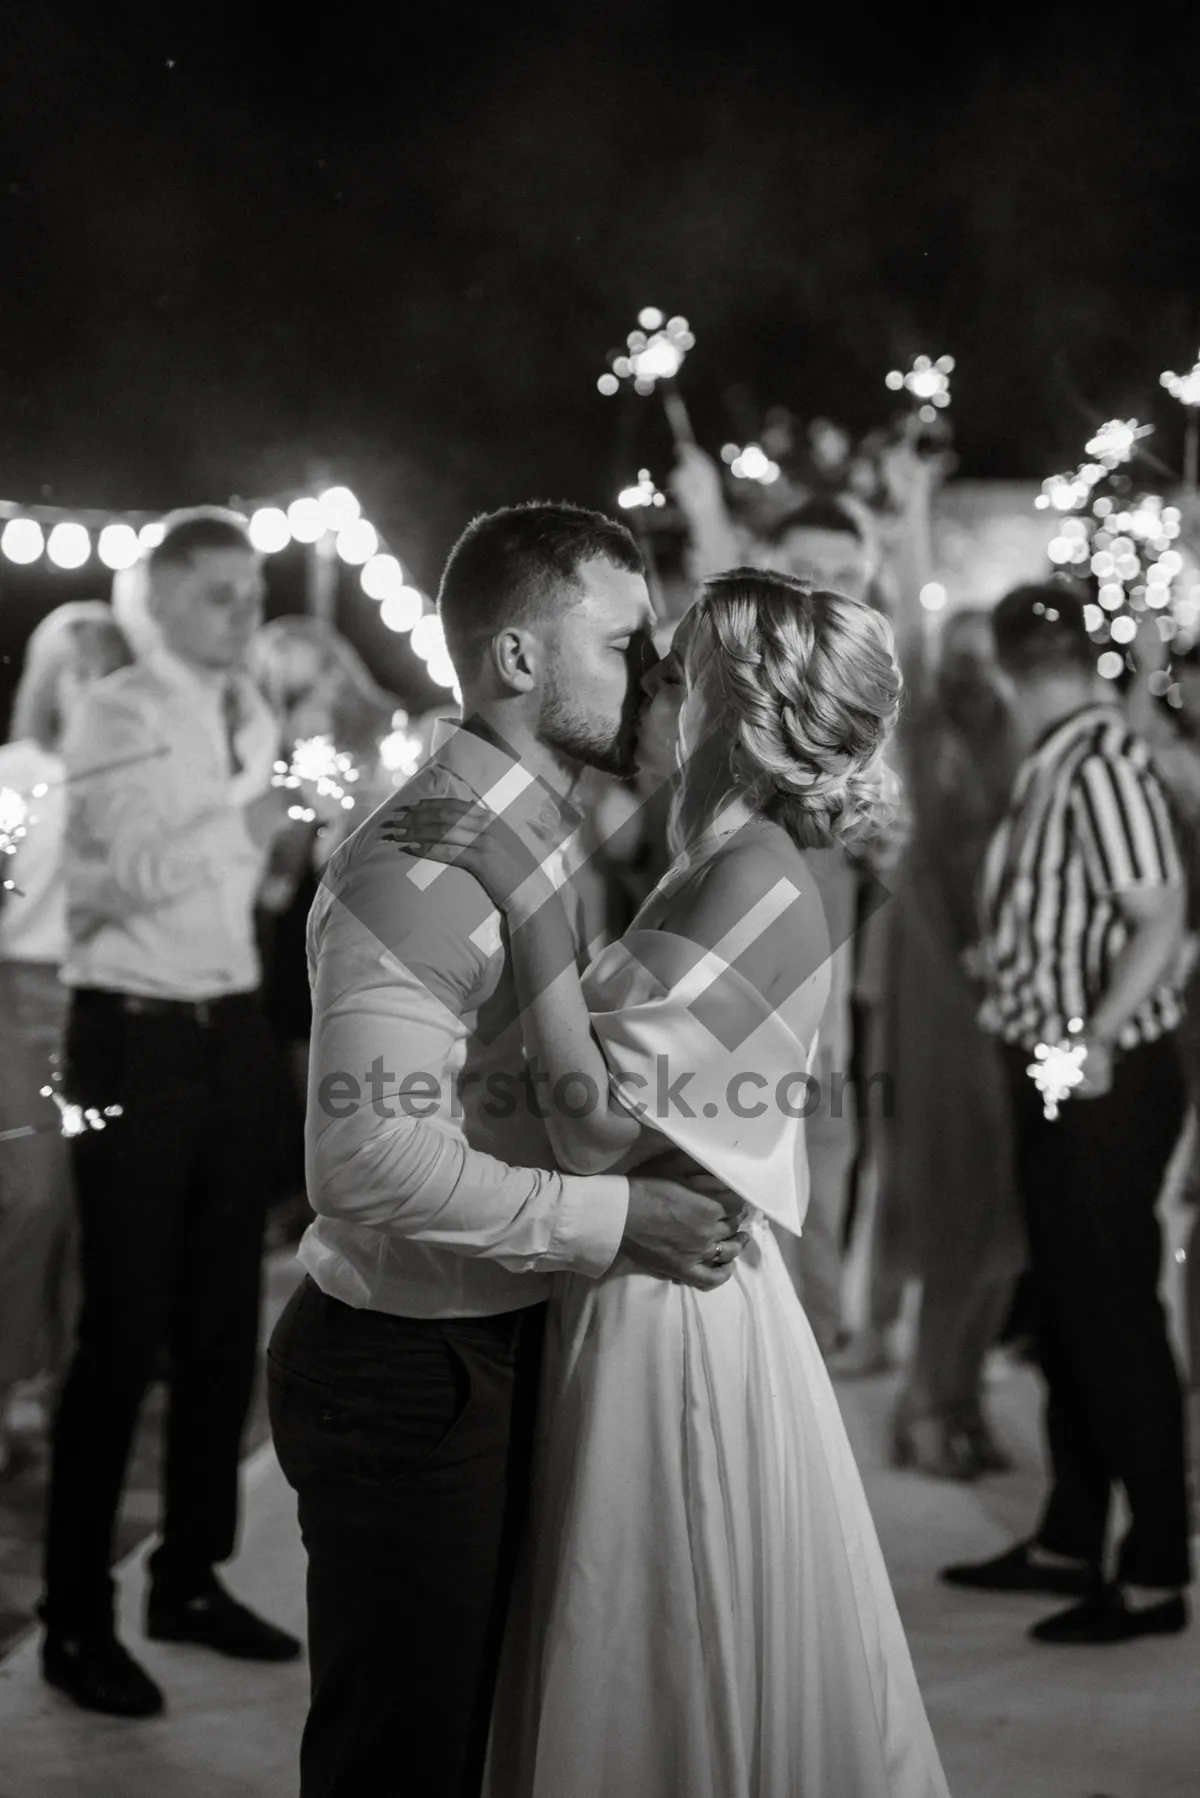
516,657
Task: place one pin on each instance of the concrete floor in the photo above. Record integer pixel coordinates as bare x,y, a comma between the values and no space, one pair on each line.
1013,1720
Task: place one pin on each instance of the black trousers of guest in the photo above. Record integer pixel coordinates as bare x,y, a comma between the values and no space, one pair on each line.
409,1443
172,1198
1089,1182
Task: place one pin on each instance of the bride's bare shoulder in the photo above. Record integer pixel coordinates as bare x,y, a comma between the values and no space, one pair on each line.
748,883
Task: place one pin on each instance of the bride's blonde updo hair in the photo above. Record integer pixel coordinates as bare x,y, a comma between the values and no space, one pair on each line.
798,693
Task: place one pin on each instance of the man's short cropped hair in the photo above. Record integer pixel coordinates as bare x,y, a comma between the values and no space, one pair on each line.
200,528
508,566
1040,629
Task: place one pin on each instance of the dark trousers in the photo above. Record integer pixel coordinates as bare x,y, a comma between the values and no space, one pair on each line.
171,1199
409,1443
1089,1181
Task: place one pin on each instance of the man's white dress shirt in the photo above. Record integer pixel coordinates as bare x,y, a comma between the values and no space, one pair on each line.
429,1169
160,870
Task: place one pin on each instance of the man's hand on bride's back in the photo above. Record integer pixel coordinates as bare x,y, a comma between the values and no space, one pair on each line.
683,1228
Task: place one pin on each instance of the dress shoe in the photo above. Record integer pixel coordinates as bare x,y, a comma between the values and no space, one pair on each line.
98,1674
213,1618
1017,1571
1105,1617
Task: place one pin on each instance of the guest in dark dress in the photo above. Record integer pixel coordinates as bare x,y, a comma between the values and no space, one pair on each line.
948,1210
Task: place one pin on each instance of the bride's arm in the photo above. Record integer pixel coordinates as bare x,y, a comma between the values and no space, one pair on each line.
589,1129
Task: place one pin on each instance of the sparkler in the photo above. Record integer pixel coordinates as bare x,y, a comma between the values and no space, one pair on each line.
643,493
77,1120
654,356
750,464
15,819
1056,1072
1117,441
318,764
928,382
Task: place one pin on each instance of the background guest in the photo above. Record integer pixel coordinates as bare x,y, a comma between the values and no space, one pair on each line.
168,823
1082,916
948,1210
73,646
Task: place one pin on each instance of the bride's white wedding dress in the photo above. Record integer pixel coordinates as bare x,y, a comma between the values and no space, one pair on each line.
703,1609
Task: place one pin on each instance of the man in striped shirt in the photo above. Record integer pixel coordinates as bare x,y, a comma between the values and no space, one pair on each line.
1082,908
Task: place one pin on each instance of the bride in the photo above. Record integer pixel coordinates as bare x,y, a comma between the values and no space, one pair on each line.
703,1607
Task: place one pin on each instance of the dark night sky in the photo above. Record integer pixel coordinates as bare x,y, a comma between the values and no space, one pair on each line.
403,242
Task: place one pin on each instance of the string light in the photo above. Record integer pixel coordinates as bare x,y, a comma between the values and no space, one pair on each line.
333,516
927,381
429,643
381,575
357,542
339,508
270,531
69,545
306,521
933,596
401,610
118,546
643,493
22,540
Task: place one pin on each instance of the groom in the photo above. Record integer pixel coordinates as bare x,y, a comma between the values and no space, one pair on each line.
403,1375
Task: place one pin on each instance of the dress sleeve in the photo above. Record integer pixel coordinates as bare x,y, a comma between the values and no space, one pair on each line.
698,1055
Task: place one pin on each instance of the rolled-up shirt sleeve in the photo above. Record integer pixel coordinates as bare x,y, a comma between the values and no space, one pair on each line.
394,970
119,817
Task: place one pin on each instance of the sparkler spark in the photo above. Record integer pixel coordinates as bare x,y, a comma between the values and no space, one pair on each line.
927,381
655,352
643,493
1116,441
317,763
1057,1070
751,463
77,1120
15,819
1184,388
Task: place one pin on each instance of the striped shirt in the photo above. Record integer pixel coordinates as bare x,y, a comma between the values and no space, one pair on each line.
1088,820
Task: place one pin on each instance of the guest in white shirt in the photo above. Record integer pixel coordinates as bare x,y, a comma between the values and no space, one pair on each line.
403,1374
74,645
170,815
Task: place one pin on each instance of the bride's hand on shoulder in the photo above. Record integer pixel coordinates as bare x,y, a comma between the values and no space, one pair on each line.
466,834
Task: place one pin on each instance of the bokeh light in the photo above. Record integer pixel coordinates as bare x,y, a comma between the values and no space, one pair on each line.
69,545
118,546
269,530
22,540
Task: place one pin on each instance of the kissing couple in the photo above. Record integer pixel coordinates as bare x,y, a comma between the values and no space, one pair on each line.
581,1516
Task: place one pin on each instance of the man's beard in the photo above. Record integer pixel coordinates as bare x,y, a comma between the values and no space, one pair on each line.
583,737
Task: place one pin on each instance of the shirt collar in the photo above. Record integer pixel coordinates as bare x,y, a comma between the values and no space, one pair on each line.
185,676
1072,722
474,754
